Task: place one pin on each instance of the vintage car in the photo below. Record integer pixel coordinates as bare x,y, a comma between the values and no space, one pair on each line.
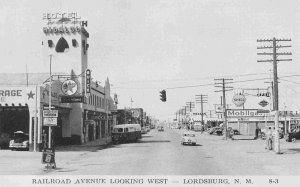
20,141
161,128
188,138
126,133
216,130
293,136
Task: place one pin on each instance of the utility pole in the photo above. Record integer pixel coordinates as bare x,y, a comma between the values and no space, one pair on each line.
275,54
201,99
178,116
184,108
222,84
190,105
210,113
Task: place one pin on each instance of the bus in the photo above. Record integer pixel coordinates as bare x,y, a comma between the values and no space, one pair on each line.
126,133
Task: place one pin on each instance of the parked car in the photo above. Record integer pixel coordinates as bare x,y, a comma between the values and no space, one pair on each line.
216,130
188,138
235,132
293,136
20,141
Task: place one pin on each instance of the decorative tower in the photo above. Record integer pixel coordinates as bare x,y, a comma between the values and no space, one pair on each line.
65,42
65,38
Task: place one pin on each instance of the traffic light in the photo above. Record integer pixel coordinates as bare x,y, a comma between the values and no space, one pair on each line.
163,96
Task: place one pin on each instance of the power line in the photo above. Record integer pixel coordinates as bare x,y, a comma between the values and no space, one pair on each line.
290,81
200,78
210,84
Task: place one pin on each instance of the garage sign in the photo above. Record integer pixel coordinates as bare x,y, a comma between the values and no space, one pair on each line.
238,99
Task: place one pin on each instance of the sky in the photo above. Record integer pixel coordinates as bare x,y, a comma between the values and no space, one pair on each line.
145,46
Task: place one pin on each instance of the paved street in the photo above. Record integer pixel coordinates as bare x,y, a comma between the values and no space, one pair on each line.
160,153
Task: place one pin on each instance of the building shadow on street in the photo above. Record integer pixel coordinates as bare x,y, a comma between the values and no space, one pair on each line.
61,170
194,145
147,136
154,141
82,148
291,151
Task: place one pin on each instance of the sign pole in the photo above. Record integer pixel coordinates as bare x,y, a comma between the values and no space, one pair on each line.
50,133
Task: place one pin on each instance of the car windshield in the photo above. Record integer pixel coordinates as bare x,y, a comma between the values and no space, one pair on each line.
189,135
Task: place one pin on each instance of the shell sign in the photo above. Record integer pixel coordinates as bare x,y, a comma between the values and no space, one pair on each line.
239,99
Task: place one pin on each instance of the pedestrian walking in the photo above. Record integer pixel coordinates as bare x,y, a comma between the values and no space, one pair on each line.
269,139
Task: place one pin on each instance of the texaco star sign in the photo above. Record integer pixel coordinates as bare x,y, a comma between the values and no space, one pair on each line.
69,87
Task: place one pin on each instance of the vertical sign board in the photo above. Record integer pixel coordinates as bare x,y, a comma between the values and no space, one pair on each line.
50,117
87,83
48,156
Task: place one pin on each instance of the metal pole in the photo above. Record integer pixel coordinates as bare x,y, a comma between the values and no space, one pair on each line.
202,112
35,121
50,133
224,108
285,122
276,138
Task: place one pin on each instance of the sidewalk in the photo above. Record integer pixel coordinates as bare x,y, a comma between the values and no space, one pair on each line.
88,146
243,137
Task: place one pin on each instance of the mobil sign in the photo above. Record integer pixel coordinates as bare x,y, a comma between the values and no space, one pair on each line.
244,113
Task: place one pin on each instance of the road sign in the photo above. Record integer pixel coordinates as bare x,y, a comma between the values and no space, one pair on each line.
50,121
50,113
48,156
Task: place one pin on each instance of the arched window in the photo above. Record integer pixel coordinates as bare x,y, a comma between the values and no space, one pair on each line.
62,46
